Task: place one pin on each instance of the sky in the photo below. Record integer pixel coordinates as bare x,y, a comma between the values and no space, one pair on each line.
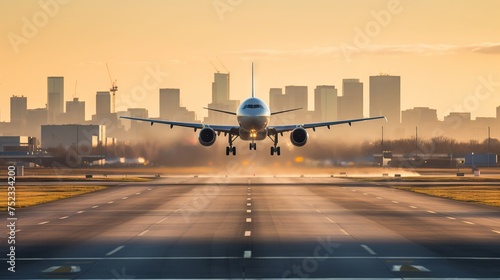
446,52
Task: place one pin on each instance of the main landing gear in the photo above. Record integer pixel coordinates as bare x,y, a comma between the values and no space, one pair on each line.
230,149
275,149
253,145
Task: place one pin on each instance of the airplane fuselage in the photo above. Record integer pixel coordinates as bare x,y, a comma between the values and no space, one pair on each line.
253,117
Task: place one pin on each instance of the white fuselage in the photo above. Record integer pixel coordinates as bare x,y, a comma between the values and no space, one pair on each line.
253,117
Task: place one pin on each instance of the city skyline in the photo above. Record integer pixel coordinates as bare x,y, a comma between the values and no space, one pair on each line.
448,53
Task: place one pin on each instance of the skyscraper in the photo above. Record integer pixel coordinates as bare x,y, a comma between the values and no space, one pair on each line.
18,110
75,111
103,103
220,88
297,97
170,102
276,100
385,98
351,102
55,98
325,103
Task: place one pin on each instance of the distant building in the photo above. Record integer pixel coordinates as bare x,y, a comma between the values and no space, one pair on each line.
419,116
296,97
325,103
276,100
221,101
18,110
35,118
351,102
170,101
220,88
55,98
458,117
385,98
75,111
103,103
85,137
17,144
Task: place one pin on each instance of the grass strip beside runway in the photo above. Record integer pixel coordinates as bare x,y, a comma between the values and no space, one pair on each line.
33,195
487,195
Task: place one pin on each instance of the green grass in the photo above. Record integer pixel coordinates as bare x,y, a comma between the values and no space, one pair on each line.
487,195
27,196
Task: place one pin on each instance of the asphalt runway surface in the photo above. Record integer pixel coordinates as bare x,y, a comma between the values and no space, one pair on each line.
254,228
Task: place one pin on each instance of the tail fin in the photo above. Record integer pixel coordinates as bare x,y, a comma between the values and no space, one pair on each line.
253,84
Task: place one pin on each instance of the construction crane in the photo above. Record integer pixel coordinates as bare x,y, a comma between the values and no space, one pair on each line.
113,89
223,66
212,64
74,93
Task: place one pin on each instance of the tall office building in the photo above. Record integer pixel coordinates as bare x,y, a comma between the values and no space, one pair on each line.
18,110
55,98
351,102
75,111
385,98
296,97
170,102
325,103
498,113
276,100
220,88
103,103
419,116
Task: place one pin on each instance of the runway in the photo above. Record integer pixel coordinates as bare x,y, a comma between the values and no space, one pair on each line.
255,228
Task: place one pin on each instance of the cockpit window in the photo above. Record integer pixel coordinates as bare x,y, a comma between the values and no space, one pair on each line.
252,106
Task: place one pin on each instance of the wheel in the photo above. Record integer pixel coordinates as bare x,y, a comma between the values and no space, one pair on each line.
251,146
278,151
227,151
272,151
255,146
234,151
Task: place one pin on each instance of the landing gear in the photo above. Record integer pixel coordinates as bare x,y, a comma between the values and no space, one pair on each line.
275,149
253,146
230,149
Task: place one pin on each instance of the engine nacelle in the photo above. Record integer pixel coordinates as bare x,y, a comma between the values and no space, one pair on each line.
299,136
207,136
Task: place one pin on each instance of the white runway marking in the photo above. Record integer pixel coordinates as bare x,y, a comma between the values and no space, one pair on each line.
249,204
318,211
451,218
365,193
137,193
110,202
378,197
43,223
249,220
65,217
496,231
432,212
344,231
114,250
470,223
161,220
368,249
249,211
95,206
142,233
248,233
414,207
80,212
394,201
331,221
247,254
124,197
248,198
149,189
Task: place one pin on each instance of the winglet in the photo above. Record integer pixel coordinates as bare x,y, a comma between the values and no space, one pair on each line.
253,84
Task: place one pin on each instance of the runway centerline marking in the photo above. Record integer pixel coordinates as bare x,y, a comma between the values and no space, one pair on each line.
469,223
161,220
137,193
95,206
143,232
432,212
249,211
248,198
248,220
414,207
331,221
43,223
110,202
124,197
451,218
80,212
248,233
368,249
249,204
344,231
318,211
496,231
65,217
394,201
378,197
114,250
149,189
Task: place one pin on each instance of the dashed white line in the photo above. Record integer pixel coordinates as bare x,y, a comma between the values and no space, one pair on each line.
248,233
414,207
318,211
378,197
496,231
248,198
114,250
330,220
43,223
80,212
144,232
95,206
432,212
451,218
394,201
249,204
111,202
248,220
365,193
124,197
65,217
161,220
470,223
353,190
249,211
137,193
247,254
149,189
368,249
344,231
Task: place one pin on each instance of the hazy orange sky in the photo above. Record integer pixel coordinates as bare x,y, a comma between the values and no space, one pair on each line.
447,52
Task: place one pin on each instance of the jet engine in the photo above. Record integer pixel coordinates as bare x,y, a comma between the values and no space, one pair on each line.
207,136
299,136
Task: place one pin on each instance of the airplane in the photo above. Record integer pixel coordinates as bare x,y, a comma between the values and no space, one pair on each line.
253,116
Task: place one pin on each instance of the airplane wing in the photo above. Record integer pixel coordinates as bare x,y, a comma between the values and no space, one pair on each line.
219,128
285,128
